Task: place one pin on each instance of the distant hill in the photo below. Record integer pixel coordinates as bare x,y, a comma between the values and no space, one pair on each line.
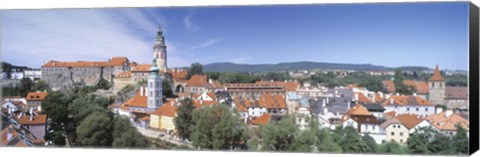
7,67
226,66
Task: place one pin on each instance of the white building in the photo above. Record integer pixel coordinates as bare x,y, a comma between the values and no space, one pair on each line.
408,105
33,74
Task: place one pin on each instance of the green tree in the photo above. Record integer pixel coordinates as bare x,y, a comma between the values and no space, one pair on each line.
420,140
349,140
130,139
392,147
372,145
195,69
460,141
26,85
95,130
399,86
327,143
216,127
41,85
125,135
167,90
103,84
278,136
183,120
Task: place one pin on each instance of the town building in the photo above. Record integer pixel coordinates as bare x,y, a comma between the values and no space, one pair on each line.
399,127
34,100
199,84
121,80
364,122
457,98
446,122
33,74
59,74
163,118
254,91
436,86
408,104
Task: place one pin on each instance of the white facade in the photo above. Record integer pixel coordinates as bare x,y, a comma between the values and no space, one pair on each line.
411,109
33,74
16,75
257,111
205,96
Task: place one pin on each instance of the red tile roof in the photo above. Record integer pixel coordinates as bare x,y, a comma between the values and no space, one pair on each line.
362,98
456,92
418,86
36,96
138,100
447,123
389,85
288,85
166,110
36,120
115,61
201,103
409,120
141,68
262,120
406,100
436,75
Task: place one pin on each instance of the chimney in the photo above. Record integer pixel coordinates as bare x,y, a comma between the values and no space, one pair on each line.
448,112
348,105
31,117
328,100
414,94
39,108
391,101
285,80
323,104
141,91
325,110
210,80
396,113
438,110
271,80
398,94
20,115
356,96
338,113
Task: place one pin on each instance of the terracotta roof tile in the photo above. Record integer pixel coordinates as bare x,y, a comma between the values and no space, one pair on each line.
138,100
36,96
36,120
447,123
262,120
141,68
288,85
389,85
362,98
456,92
406,100
418,86
436,75
409,120
166,110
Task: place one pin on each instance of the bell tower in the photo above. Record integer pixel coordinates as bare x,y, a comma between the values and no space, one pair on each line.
154,88
160,50
436,88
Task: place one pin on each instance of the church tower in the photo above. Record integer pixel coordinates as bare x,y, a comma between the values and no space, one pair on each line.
436,87
160,50
154,88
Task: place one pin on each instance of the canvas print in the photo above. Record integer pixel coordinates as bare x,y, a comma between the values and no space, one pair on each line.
374,78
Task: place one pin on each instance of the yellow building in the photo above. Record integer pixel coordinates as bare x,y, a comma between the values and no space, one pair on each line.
121,80
163,117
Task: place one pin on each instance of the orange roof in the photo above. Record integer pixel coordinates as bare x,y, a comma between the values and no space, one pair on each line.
212,95
115,61
289,85
118,61
127,74
166,110
445,123
201,103
436,75
137,100
409,120
36,96
36,120
4,133
406,100
272,101
389,85
362,98
378,98
177,74
419,86
197,80
262,120
390,114
141,68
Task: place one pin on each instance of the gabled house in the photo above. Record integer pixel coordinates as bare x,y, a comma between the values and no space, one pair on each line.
34,100
446,122
408,104
163,117
399,127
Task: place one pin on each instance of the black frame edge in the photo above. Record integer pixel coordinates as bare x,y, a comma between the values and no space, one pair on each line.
473,77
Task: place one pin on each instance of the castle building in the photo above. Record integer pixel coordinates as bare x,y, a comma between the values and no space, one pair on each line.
154,88
436,85
61,74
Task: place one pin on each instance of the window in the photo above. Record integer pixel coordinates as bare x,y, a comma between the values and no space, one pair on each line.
426,109
401,133
417,109
408,109
401,140
433,84
393,133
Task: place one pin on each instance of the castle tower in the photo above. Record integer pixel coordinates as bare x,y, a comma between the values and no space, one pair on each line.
160,50
436,87
154,88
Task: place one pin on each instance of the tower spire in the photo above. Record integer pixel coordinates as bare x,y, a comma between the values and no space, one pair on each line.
437,76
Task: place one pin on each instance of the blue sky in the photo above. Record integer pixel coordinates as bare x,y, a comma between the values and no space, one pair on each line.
388,34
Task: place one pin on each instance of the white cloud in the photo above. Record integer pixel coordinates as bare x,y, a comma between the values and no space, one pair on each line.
33,37
207,43
189,26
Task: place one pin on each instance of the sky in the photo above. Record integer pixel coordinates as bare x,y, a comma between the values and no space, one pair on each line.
387,34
